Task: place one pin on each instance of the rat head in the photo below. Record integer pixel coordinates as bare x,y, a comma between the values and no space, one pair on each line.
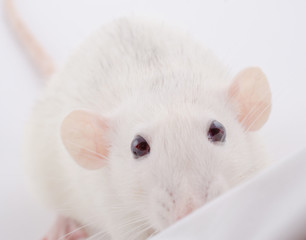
167,159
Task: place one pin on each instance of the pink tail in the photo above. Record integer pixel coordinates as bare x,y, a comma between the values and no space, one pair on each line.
40,58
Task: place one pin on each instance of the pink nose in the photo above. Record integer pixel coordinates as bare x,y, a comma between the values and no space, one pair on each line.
187,210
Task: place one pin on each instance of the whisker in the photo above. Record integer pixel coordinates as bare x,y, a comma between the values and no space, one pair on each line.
253,109
75,230
141,231
257,117
152,234
85,148
280,94
131,221
101,234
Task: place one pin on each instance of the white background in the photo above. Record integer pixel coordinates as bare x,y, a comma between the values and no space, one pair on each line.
269,34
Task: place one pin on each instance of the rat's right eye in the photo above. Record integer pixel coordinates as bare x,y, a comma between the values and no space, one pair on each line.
140,147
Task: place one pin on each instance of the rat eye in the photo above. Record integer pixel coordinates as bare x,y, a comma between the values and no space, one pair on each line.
140,147
216,132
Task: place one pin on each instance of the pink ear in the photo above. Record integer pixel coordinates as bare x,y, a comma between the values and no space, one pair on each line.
83,135
250,89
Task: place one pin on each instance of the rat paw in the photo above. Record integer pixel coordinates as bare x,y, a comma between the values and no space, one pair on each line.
65,229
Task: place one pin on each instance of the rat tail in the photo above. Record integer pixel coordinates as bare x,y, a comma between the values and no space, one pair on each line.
39,57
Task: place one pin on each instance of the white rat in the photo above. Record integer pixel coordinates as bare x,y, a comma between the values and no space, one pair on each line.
141,127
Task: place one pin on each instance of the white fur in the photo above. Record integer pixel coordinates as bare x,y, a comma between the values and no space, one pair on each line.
152,81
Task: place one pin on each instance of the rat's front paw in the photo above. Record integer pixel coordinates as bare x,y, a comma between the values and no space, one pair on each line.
65,229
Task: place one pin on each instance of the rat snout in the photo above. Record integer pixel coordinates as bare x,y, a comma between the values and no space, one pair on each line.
186,209
212,189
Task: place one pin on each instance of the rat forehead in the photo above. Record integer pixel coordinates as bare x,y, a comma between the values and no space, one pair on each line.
179,117
176,104
177,97
150,112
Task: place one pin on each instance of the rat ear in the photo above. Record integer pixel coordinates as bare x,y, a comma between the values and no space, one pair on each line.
83,133
250,89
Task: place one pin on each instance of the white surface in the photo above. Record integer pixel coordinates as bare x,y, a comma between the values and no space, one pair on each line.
270,34
269,207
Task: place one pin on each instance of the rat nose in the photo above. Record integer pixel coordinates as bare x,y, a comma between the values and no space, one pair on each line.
185,211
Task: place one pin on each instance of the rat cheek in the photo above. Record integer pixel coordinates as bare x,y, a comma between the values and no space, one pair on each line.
160,208
138,193
216,187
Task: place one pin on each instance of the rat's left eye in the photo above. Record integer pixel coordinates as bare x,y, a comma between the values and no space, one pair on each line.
216,132
140,147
